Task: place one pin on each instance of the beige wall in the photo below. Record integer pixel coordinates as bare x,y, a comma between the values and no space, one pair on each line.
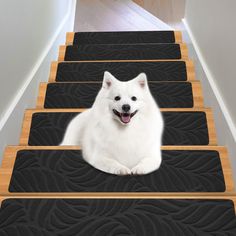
212,23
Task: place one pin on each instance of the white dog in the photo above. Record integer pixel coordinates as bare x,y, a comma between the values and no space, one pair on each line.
121,134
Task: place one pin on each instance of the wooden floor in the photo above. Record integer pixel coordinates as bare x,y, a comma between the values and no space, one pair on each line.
124,15
114,15
169,11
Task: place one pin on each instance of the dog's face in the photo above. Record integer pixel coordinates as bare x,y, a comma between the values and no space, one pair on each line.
126,100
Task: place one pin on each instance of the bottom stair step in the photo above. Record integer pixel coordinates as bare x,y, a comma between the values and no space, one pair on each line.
100,217
58,171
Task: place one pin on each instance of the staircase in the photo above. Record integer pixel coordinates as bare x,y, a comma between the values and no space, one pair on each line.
47,189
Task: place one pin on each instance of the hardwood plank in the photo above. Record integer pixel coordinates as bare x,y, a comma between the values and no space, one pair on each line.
125,196
41,95
197,94
184,51
70,38
190,70
62,52
178,37
53,71
211,127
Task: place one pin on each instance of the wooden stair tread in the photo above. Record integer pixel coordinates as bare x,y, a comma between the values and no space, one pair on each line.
82,95
123,52
182,126
123,37
65,171
93,71
141,217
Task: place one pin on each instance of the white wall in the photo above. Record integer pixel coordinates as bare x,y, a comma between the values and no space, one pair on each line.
210,25
30,34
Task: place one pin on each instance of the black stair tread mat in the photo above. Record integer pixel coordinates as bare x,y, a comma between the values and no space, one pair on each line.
66,171
181,128
74,95
124,37
122,52
100,217
124,71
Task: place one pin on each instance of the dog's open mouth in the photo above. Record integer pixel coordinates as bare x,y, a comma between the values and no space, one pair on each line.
124,117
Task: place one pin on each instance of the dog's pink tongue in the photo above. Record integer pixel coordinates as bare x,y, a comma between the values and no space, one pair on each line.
125,119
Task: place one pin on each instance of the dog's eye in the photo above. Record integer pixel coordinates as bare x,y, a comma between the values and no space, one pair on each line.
133,98
117,98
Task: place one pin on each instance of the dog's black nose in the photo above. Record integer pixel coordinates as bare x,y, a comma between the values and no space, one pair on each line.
126,107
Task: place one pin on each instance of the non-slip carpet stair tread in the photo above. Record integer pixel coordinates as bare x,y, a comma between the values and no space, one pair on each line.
66,171
124,37
72,95
122,52
124,71
181,128
98,217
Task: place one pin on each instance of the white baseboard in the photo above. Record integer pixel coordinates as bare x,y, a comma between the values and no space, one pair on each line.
11,121
210,78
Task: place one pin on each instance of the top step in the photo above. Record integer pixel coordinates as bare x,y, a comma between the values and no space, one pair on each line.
123,37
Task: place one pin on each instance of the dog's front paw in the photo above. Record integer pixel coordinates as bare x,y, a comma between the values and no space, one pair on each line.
120,170
140,170
146,166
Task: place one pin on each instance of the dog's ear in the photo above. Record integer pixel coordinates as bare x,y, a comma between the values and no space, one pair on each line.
142,80
108,80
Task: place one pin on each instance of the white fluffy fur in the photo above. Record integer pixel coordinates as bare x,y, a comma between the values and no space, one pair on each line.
112,146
